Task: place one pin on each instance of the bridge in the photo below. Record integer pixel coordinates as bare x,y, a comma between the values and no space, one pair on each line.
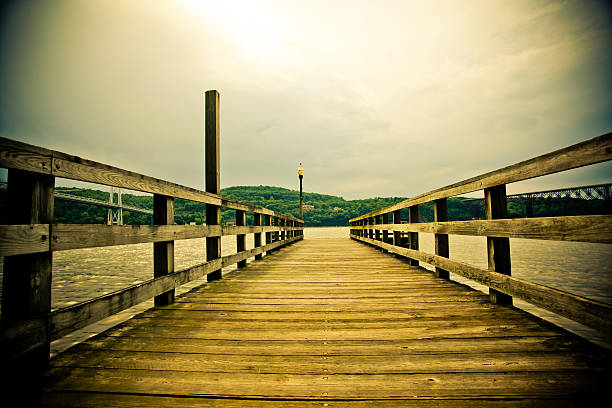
115,210
591,192
301,322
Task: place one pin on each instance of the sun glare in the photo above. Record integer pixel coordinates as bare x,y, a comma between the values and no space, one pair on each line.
253,26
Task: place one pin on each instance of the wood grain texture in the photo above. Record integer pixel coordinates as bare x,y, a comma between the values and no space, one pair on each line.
498,249
23,156
580,228
441,240
163,252
24,239
26,278
329,322
592,151
74,317
586,311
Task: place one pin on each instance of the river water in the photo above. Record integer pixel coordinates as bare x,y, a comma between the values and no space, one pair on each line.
579,268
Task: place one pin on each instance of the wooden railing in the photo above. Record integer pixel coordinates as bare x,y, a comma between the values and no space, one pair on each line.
402,238
28,326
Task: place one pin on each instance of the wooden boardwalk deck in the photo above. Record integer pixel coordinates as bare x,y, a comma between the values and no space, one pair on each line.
329,322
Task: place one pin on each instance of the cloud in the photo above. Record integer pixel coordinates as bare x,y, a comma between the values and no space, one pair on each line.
375,99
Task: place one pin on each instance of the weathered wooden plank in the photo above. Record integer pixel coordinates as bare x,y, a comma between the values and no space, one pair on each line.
77,168
595,150
88,399
344,386
24,239
586,311
163,252
74,317
325,330
257,235
212,168
240,238
441,240
498,249
581,228
74,236
405,347
332,364
413,238
26,279
23,156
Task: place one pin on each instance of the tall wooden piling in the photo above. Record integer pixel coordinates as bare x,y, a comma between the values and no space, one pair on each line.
212,170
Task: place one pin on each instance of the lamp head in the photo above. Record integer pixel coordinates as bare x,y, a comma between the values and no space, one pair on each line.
301,171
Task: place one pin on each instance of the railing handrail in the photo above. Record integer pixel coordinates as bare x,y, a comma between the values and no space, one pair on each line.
595,150
28,325
374,228
23,156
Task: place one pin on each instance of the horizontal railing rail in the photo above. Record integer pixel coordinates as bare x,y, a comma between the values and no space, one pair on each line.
386,230
28,325
596,150
23,156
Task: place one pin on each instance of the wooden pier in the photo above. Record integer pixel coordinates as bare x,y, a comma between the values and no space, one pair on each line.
329,322
320,322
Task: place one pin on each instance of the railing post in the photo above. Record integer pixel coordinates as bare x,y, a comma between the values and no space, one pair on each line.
385,233
267,223
441,240
163,252
282,234
397,235
413,217
257,235
370,230
498,249
212,165
241,238
377,231
274,234
26,284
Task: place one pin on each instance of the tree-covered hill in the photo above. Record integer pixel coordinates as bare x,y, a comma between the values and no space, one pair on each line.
328,210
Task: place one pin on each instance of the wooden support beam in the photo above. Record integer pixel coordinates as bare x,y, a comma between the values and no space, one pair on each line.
589,312
397,236
595,150
26,283
498,249
212,178
163,252
413,218
268,222
385,233
580,228
241,238
441,240
377,231
257,235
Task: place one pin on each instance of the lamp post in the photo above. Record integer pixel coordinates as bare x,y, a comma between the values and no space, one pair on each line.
301,176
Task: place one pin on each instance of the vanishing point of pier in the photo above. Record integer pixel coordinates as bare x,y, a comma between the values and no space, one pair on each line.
315,323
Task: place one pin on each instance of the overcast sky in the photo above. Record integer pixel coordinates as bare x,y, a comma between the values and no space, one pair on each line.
378,98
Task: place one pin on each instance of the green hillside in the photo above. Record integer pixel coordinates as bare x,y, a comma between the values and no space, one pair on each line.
328,210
